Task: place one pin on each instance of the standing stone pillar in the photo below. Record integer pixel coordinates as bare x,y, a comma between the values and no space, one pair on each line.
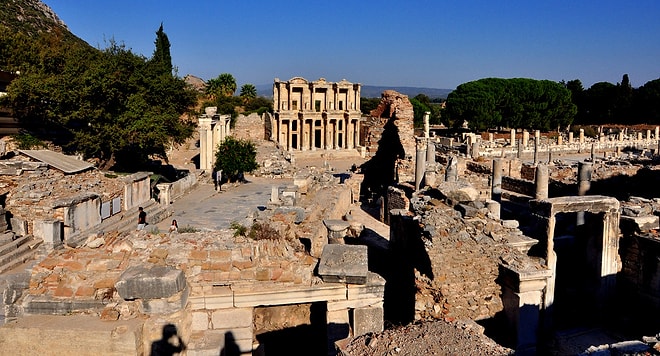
601,137
570,138
520,149
593,151
525,138
621,134
560,140
205,142
490,137
475,149
541,182
648,134
549,155
657,132
618,151
584,183
426,123
581,136
451,174
430,152
513,137
537,135
639,136
496,189
420,160
536,151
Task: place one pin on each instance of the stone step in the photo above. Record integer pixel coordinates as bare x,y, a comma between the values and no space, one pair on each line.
21,253
6,237
7,247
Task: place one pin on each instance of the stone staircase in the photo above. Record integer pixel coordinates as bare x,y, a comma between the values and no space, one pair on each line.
16,250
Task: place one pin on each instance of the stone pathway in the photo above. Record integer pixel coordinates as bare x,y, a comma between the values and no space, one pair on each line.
207,209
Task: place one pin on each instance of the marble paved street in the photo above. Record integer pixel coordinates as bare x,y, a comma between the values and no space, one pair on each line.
207,209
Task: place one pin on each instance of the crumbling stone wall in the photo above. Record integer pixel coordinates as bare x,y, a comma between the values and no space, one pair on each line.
249,127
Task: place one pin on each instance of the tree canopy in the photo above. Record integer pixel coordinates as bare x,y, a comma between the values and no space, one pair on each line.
235,157
111,105
519,102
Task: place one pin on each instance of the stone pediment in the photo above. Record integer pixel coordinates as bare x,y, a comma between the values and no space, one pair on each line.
298,80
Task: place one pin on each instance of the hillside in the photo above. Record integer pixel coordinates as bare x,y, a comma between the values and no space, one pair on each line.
370,91
30,17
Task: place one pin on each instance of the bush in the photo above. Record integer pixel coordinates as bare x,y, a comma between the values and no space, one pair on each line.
188,228
25,141
262,231
239,230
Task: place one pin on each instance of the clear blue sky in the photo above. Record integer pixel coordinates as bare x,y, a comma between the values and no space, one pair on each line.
436,44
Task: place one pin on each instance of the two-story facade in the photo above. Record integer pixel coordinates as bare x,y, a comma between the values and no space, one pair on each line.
311,115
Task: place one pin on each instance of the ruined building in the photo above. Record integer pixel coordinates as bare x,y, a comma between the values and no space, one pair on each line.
316,115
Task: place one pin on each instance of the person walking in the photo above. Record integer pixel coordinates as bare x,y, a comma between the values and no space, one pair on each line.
142,219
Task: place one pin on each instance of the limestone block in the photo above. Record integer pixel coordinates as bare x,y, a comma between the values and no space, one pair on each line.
344,264
374,288
466,210
71,335
141,282
200,321
231,318
249,296
166,305
640,223
458,192
367,320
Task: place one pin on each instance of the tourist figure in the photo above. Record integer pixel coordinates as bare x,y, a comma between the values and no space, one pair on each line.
170,344
174,227
142,219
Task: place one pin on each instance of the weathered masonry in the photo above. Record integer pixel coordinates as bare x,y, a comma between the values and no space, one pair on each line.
316,115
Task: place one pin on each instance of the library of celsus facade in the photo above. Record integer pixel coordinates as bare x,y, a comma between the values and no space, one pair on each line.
311,115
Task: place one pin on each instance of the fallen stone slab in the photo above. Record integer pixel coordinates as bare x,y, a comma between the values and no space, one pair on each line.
344,264
142,282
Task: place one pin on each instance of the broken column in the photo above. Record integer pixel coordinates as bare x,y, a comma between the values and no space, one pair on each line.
584,183
475,149
420,162
451,174
337,230
496,189
581,136
570,137
536,151
426,124
525,141
560,140
513,137
541,181
593,151
430,151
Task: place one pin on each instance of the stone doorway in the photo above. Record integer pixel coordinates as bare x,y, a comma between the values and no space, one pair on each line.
299,329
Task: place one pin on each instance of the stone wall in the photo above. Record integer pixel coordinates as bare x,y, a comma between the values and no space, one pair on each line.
520,186
249,127
137,190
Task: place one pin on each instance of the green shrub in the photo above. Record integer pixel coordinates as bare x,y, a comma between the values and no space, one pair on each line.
239,230
25,141
188,228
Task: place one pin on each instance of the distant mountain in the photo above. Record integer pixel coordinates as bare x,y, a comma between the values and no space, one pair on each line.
370,91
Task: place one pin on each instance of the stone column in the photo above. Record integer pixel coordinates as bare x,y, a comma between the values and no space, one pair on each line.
609,265
593,151
451,174
513,137
541,182
430,151
581,136
205,143
519,153
639,136
490,137
648,134
525,141
570,138
420,160
496,189
427,114
289,138
657,132
536,151
560,140
584,183
537,136
475,149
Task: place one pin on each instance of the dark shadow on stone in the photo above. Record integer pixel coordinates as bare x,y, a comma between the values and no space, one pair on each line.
231,348
379,171
304,340
170,344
